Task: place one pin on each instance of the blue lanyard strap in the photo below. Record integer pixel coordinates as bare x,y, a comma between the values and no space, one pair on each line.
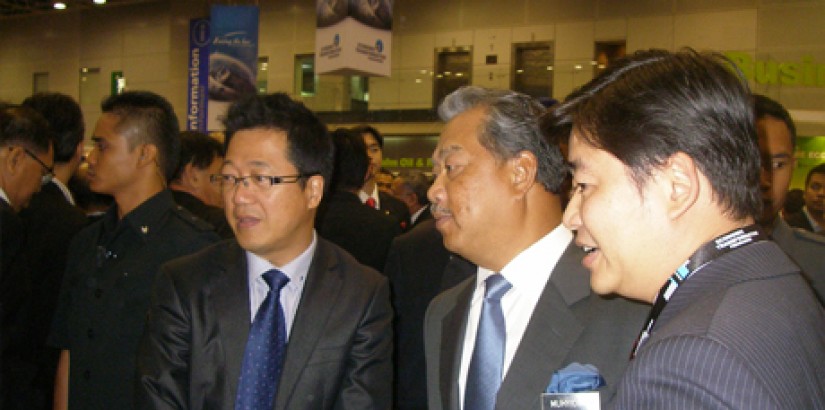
703,256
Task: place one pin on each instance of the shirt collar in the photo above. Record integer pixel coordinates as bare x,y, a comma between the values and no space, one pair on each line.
296,270
542,256
4,196
363,196
65,190
811,220
146,219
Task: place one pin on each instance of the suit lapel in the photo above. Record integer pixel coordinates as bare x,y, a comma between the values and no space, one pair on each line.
550,335
323,283
452,339
229,295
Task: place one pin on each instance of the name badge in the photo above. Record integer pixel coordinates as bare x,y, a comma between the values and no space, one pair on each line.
570,401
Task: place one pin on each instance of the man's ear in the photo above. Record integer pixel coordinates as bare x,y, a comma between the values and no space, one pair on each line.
148,155
680,176
13,160
523,171
314,190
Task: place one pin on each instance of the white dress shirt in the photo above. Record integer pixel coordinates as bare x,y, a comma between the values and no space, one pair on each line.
296,271
363,196
65,190
4,196
528,273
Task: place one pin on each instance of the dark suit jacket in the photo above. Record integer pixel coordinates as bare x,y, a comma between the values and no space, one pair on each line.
212,214
744,332
362,231
14,286
393,207
416,267
799,220
569,324
51,223
426,215
806,249
339,348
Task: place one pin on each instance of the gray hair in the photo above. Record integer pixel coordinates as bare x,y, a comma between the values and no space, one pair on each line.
512,126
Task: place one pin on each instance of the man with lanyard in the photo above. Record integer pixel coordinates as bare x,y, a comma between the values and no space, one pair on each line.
666,192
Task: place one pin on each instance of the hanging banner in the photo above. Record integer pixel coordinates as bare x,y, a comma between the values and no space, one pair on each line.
353,37
233,58
198,74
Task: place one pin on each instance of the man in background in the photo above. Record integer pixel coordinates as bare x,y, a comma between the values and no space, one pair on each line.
113,262
51,220
666,175
495,340
364,232
812,216
412,191
370,194
26,158
776,134
200,157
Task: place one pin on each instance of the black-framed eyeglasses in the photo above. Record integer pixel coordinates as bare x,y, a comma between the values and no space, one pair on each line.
259,182
48,173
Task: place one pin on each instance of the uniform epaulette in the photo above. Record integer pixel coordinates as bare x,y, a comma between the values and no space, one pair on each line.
192,220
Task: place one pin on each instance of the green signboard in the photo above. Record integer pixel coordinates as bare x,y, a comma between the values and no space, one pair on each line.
810,152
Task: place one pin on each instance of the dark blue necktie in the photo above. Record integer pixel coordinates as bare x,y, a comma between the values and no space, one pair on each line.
484,375
265,348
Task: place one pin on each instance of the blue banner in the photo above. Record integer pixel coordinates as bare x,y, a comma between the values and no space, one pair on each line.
198,74
233,57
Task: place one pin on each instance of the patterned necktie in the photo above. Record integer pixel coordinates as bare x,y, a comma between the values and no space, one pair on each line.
370,202
484,375
265,348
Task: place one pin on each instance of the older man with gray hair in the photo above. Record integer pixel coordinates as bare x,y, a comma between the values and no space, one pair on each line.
496,339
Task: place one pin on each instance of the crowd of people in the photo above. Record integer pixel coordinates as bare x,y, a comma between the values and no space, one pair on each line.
285,268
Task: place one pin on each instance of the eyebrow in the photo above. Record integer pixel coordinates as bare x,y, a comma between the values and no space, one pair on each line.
445,151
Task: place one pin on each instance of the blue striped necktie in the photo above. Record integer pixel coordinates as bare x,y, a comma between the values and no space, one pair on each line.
265,348
484,375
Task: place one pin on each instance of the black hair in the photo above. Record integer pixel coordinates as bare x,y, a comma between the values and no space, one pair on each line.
198,149
25,127
764,106
819,169
309,146
65,119
367,129
147,118
655,103
351,160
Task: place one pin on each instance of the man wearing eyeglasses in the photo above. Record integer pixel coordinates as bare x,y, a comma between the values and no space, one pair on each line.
51,221
278,317
25,151
112,263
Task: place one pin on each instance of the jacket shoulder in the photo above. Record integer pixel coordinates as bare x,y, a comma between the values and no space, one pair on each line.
191,220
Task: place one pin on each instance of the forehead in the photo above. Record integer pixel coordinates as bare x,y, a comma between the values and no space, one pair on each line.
773,133
106,126
369,139
461,134
258,146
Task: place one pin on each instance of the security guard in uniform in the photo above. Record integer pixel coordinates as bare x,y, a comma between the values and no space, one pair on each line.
113,262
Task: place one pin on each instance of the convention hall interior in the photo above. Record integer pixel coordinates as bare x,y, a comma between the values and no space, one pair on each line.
545,48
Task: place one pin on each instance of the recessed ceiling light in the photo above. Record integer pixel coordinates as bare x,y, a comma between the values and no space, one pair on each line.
100,1
59,5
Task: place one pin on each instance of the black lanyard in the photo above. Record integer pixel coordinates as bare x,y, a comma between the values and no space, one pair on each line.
703,256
